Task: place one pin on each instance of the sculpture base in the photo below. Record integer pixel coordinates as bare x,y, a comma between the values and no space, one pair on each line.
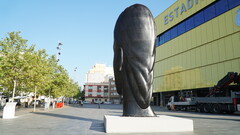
9,110
161,123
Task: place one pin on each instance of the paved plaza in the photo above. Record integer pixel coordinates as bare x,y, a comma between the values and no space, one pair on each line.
88,120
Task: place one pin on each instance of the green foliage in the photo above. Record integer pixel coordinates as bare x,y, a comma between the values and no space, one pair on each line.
32,68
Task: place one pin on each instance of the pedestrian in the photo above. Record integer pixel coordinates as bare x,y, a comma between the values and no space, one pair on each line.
81,102
98,105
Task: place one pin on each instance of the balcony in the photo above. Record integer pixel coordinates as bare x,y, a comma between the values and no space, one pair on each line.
89,90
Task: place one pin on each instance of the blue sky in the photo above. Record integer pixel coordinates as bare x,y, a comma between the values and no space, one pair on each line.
84,27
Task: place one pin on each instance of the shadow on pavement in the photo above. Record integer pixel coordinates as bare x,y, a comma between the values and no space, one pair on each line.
95,106
204,118
96,126
67,116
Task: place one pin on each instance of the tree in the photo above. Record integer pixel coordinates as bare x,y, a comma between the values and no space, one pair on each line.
38,71
23,68
82,95
13,64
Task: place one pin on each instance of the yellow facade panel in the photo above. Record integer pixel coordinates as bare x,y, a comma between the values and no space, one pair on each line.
236,65
234,13
215,77
221,47
177,45
209,74
228,66
184,42
198,77
180,58
193,58
229,22
194,38
209,31
180,44
222,25
203,75
221,69
156,72
187,42
236,47
203,55
193,79
184,60
185,83
209,53
191,44
187,79
228,47
163,68
159,54
198,34
188,62
203,31
166,52
175,62
215,52
160,83
215,28
173,46
200,57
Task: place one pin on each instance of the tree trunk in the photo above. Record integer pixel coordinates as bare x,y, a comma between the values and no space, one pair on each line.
14,89
35,98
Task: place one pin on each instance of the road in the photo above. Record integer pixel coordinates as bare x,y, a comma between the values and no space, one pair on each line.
88,120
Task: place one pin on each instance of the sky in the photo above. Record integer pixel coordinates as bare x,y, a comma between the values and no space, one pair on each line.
84,27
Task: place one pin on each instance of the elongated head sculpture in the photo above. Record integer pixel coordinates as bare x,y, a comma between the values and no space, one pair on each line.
134,53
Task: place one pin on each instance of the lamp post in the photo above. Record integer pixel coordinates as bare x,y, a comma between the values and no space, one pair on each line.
58,49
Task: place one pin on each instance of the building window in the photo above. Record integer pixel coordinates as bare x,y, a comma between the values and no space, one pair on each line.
105,87
90,90
198,19
167,36
221,6
99,87
90,87
233,3
173,32
209,13
217,8
181,28
189,24
90,94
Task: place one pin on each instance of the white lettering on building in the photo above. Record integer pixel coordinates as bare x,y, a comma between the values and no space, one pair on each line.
183,8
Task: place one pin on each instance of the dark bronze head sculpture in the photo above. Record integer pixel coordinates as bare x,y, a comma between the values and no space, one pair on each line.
134,54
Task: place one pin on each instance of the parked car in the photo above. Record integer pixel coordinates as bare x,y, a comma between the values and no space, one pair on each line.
38,102
107,102
85,102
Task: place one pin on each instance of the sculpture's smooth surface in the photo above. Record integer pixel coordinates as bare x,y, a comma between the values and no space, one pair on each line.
134,53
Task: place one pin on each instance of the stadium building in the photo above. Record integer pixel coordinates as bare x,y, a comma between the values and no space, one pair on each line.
198,43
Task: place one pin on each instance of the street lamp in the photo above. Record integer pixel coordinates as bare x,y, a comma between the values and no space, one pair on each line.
75,69
58,50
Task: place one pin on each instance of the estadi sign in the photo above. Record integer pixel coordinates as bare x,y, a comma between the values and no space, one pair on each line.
179,10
